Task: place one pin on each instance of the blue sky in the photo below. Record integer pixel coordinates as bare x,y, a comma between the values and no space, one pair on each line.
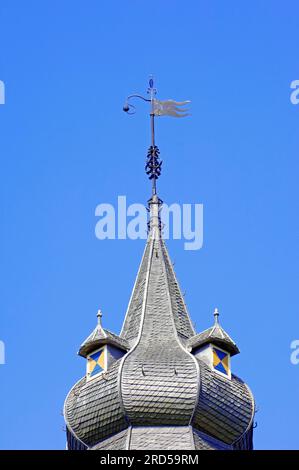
66,146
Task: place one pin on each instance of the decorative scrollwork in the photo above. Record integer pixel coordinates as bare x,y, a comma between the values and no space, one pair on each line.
153,163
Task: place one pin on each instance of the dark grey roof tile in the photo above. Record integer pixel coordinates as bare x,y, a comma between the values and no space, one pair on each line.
93,408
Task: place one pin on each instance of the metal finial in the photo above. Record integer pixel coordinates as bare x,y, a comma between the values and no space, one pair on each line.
151,81
153,166
99,316
151,91
157,108
216,315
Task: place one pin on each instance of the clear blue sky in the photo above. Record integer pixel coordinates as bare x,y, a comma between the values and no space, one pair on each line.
66,146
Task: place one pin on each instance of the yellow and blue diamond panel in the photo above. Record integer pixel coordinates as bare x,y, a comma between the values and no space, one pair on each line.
96,363
221,361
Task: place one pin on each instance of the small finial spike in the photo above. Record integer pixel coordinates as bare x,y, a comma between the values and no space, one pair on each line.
99,315
216,315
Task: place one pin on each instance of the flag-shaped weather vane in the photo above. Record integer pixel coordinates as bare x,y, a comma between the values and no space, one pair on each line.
158,108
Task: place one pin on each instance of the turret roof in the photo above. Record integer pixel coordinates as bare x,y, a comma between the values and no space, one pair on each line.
99,337
216,335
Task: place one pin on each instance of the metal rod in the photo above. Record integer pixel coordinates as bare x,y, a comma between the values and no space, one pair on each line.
152,129
152,92
154,186
137,96
153,156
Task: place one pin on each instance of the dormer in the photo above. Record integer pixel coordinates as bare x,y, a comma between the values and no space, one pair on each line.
214,347
101,349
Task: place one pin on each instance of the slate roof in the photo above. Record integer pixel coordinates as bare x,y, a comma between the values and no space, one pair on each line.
159,393
161,438
159,378
225,408
98,338
215,335
116,442
205,442
180,317
93,407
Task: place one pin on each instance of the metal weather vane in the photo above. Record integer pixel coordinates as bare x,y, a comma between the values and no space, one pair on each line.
157,108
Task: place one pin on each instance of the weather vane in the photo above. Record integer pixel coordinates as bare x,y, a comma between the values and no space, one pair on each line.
157,108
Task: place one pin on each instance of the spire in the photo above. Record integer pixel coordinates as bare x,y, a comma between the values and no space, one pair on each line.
156,280
156,284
